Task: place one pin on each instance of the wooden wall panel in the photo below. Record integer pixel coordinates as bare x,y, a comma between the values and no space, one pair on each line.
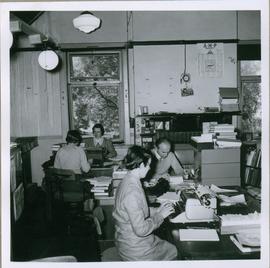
35,97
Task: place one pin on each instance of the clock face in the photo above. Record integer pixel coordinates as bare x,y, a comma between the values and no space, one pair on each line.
186,77
48,60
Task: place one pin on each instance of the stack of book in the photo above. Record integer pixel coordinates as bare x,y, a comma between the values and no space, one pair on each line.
209,127
229,99
234,223
226,136
253,168
102,186
225,131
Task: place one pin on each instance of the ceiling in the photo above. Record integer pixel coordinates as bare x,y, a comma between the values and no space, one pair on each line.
27,16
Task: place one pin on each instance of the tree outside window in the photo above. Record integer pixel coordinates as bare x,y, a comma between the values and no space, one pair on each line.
251,97
95,92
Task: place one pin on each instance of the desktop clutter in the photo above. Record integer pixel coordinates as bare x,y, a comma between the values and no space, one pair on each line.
201,215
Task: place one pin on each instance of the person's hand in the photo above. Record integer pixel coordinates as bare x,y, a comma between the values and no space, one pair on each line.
166,209
151,183
90,161
165,176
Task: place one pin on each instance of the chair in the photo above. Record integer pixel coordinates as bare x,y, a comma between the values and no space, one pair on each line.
68,188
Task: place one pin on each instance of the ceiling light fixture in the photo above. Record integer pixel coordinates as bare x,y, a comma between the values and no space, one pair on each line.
86,22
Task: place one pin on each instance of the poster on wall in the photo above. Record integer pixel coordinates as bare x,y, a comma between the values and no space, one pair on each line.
210,59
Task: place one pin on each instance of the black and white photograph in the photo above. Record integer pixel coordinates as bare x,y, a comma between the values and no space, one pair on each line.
135,133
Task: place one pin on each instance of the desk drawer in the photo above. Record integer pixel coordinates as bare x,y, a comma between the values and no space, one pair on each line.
228,155
226,170
221,181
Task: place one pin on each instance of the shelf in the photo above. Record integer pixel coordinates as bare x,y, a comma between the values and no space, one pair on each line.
170,115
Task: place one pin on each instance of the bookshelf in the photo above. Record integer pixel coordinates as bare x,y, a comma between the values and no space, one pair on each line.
251,164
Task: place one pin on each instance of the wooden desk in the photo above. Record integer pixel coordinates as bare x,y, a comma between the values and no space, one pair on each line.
210,250
224,249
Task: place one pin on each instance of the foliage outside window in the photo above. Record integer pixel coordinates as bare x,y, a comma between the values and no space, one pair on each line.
94,92
251,100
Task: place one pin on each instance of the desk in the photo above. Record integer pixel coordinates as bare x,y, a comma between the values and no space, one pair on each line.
211,250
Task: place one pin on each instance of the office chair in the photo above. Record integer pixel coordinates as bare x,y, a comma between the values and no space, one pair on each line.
67,188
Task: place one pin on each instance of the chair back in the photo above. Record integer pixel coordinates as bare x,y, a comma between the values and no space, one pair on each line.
68,184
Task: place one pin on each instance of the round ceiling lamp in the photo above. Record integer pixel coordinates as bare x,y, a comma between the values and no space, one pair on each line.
48,60
86,22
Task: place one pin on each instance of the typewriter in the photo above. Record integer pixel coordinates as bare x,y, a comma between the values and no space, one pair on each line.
197,203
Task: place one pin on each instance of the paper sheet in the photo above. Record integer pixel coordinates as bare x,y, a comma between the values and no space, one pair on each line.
169,196
232,200
176,179
198,235
217,189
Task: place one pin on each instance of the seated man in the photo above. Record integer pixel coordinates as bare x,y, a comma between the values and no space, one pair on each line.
164,160
99,141
72,156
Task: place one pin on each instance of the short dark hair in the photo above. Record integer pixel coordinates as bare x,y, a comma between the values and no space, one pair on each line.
74,136
135,156
98,125
163,140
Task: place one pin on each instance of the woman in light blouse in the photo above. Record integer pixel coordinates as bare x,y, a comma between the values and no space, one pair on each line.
99,141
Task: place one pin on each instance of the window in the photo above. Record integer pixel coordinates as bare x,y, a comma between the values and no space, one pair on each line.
250,71
95,92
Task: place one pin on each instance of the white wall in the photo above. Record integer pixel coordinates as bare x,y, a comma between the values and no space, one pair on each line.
184,25
157,78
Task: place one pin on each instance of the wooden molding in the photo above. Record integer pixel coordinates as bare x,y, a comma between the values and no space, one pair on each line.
35,37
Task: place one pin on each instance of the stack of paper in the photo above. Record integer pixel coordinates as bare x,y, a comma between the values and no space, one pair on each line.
233,223
102,186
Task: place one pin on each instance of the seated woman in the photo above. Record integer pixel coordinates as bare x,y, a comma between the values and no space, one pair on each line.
134,220
99,141
72,156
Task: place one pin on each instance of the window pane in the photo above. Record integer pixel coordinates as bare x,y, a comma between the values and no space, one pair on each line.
92,105
252,112
94,67
251,67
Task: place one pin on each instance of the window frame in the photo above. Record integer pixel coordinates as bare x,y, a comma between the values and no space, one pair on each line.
121,108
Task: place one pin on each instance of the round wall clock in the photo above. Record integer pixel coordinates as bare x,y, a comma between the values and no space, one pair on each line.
48,60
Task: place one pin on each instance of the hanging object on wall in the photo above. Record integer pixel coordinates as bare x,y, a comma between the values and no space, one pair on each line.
186,78
87,22
48,60
187,91
210,59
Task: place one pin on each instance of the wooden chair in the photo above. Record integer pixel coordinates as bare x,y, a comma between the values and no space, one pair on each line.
67,188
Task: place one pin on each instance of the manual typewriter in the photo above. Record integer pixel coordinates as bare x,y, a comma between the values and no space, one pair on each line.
197,204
